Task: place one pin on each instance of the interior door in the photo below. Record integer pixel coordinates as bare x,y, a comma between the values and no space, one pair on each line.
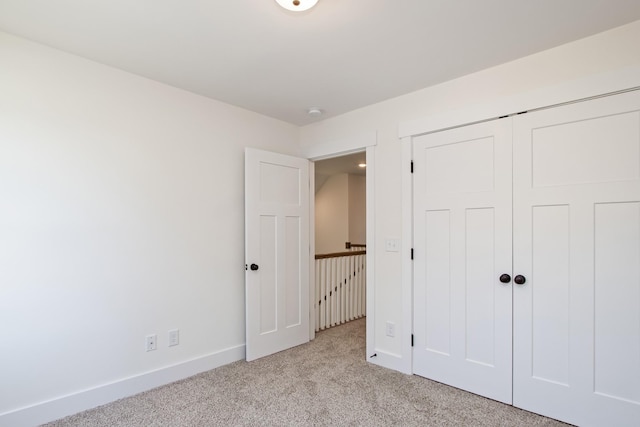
462,247
577,245
277,252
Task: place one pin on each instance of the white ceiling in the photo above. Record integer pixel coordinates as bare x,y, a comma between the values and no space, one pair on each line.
339,56
343,164
336,165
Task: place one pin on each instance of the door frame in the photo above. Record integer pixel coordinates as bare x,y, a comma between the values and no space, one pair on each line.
366,141
581,89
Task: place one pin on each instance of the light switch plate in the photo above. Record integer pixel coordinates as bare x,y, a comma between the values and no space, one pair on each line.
174,337
392,245
391,329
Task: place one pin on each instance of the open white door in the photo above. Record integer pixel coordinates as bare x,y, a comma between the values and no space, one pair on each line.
276,252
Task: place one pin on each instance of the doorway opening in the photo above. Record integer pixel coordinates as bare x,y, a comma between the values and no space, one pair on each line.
340,225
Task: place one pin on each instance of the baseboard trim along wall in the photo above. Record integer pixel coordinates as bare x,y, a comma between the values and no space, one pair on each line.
81,401
390,361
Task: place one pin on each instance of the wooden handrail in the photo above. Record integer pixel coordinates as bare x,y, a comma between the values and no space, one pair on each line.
349,245
340,254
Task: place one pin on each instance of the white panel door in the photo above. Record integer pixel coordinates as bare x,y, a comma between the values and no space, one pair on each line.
462,245
577,244
277,252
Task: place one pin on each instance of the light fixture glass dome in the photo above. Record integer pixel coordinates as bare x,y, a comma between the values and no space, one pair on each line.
297,5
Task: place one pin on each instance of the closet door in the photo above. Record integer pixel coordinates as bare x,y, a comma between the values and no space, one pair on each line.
577,244
462,245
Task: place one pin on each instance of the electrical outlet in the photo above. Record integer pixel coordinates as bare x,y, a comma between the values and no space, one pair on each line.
391,329
151,342
174,337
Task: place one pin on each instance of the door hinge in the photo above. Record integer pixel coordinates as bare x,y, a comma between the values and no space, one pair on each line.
411,340
412,253
513,114
411,166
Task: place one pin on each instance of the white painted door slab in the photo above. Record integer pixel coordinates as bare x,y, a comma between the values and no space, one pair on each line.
277,252
577,243
462,245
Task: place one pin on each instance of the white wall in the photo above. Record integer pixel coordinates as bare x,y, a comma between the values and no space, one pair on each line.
332,214
357,209
602,53
121,215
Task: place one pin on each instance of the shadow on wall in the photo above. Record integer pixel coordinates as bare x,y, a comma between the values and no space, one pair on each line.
340,203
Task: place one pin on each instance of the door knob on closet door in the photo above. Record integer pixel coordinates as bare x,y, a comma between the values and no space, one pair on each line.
505,278
254,267
519,279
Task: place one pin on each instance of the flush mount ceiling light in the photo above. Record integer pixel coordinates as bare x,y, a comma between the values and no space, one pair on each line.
314,112
297,5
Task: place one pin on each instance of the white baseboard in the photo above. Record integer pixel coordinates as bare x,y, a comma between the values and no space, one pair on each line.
390,361
77,402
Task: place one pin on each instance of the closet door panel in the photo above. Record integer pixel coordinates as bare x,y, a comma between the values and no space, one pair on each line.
437,293
617,301
480,286
550,297
462,244
595,150
577,242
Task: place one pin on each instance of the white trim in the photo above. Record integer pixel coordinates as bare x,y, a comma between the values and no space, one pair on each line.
407,263
586,87
371,251
368,141
57,408
340,147
388,360
312,251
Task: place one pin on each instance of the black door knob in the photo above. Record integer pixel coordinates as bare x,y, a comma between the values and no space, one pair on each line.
505,278
519,279
254,267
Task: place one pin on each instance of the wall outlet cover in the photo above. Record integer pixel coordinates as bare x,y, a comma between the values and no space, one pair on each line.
151,342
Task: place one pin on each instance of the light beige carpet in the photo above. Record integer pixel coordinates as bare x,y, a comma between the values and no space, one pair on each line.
326,382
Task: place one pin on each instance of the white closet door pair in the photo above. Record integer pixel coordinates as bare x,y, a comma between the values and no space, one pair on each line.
562,185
